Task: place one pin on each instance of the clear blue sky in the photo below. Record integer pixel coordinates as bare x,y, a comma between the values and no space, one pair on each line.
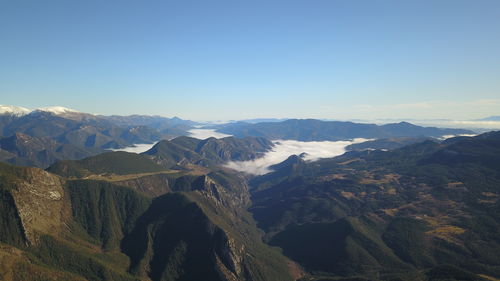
210,59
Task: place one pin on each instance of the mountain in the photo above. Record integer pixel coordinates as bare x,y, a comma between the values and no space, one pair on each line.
79,129
427,211
262,120
424,211
207,152
490,118
405,129
119,163
386,144
24,150
170,127
404,206
57,122
112,226
63,133
13,110
317,130
57,110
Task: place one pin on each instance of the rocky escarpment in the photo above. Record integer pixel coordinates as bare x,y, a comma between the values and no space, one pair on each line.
175,238
39,200
231,195
150,185
200,230
117,228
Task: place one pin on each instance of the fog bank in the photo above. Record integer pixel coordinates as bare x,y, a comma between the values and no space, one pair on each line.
284,148
136,148
206,133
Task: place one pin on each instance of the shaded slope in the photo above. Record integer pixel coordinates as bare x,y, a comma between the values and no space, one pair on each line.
208,152
346,247
101,230
422,207
46,238
30,151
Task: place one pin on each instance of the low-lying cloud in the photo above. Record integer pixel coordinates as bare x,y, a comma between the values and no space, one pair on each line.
285,148
453,136
136,148
206,133
476,124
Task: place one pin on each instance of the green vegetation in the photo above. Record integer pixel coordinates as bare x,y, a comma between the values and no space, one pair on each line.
389,215
406,237
429,211
61,256
11,229
119,162
347,247
105,211
450,272
173,241
199,230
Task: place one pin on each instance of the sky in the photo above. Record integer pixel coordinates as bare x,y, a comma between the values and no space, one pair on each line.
220,60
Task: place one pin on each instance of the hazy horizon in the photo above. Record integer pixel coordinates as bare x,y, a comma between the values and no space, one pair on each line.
480,124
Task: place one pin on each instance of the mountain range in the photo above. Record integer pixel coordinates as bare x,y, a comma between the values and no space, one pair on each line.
43,136
490,118
424,211
58,133
409,204
317,130
121,216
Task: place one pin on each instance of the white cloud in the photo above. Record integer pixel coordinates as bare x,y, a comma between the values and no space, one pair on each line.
452,136
206,133
477,124
136,148
284,148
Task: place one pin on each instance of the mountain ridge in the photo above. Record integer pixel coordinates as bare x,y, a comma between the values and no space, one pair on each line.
317,130
94,229
407,213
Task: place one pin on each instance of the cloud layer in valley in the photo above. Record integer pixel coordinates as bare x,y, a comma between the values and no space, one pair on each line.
284,148
452,136
136,148
202,134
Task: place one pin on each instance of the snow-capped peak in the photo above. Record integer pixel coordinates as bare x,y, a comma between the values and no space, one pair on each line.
56,110
13,110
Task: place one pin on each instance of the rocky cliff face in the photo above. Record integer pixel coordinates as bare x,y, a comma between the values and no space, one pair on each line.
181,226
233,196
39,199
151,185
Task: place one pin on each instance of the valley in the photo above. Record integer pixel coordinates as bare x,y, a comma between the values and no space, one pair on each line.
399,208
326,140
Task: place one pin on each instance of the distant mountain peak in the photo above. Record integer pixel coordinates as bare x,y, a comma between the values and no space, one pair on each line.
290,162
57,110
21,111
13,110
490,118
